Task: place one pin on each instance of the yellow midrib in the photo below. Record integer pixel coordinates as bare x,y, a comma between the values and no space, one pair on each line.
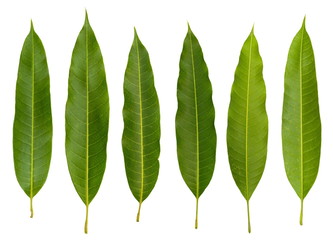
32,120
247,121
87,113
141,127
196,119
301,110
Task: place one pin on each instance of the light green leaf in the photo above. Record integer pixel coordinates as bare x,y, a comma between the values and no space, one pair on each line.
195,131
87,117
32,132
247,121
141,136
301,126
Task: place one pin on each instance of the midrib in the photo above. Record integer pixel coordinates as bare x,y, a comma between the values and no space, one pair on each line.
301,110
87,114
247,121
32,120
141,128
196,120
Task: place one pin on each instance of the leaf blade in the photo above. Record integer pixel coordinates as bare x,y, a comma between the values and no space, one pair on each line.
32,129
87,116
247,130
301,125
141,135
195,130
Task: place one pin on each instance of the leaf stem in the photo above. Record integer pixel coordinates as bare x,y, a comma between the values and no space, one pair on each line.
138,215
31,209
196,213
301,215
86,222
248,216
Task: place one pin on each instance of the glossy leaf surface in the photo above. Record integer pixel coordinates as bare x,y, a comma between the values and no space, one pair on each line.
32,132
87,116
301,126
195,130
247,121
141,136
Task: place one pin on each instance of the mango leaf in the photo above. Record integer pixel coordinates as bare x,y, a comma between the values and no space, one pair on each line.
87,117
195,130
141,136
301,126
32,132
247,121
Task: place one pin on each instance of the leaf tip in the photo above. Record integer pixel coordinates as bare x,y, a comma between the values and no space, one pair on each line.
136,36
188,27
31,25
304,20
252,30
86,16
135,32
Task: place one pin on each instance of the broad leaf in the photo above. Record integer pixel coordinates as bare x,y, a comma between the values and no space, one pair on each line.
141,136
195,131
87,117
247,121
32,133
301,127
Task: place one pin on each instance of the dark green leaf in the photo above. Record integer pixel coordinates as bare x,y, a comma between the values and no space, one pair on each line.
196,136
141,136
87,117
32,133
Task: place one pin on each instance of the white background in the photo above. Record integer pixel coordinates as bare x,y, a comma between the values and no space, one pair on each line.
169,212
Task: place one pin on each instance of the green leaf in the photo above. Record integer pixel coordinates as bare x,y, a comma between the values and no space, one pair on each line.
87,117
301,127
247,121
141,136
195,131
32,132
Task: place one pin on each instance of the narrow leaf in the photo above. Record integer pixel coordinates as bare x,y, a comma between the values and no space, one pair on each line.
247,121
195,131
32,132
301,126
141,136
87,117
